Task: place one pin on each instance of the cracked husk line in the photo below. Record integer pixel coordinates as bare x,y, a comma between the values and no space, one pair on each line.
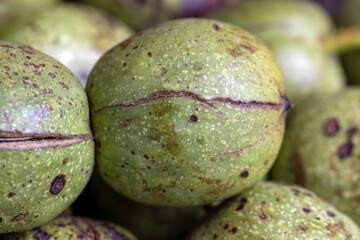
37,141
198,98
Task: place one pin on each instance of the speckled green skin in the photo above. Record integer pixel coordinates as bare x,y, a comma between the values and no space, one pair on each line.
66,228
310,155
74,34
272,211
186,113
140,14
293,31
348,15
43,109
148,222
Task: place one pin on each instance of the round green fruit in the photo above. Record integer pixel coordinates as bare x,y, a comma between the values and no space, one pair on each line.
187,113
294,32
46,147
10,10
320,150
64,228
277,211
76,35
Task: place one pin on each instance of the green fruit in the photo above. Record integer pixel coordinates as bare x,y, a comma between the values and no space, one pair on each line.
75,35
320,149
348,15
12,9
139,14
149,222
187,113
66,228
293,31
46,147
277,211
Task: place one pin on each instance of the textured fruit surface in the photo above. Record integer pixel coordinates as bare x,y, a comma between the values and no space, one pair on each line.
293,31
321,151
46,147
273,210
348,15
66,228
148,222
186,113
140,14
74,34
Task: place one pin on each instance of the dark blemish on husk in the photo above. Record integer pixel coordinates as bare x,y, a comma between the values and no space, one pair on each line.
215,236
244,174
330,213
226,226
47,91
216,27
295,191
146,156
149,54
345,150
64,85
125,43
57,184
243,201
132,152
37,72
35,85
306,210
7,68
11,194
193,118
234,230
0,219
18,217
331,127
351,131
263,216
42,235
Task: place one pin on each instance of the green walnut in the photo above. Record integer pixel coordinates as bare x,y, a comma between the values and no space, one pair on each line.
76,35
320,150
348,15
299,34
272,210
46,147
144,13
66,228
186,113
10,10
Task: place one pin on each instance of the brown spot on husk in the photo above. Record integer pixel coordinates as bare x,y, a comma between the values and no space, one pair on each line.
331,127
57,184
18,217
334,228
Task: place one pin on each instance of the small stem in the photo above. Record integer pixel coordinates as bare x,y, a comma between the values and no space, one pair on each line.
341,41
